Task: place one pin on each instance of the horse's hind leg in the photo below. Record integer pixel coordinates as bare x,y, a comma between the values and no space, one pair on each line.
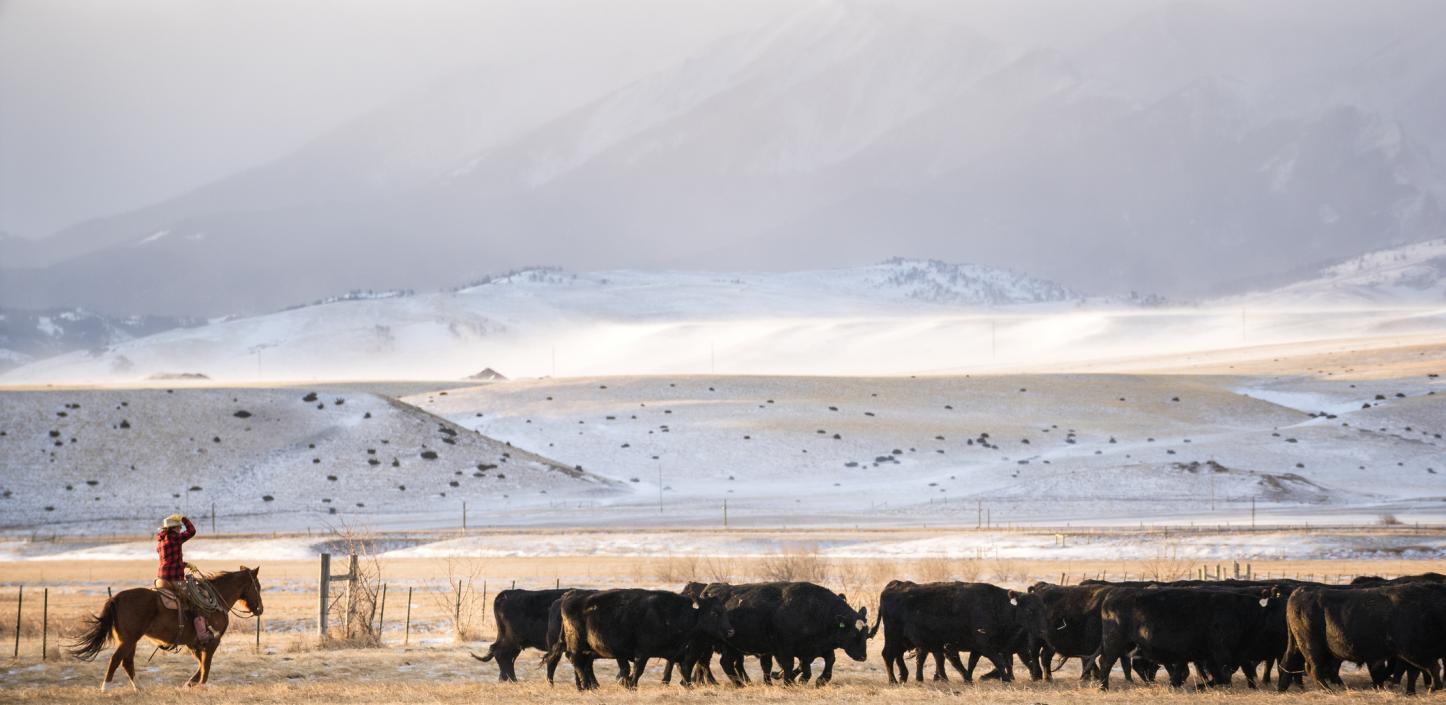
115,662
128,661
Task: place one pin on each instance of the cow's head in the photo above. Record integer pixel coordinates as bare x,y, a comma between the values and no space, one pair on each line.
1029,612
851,631
713,617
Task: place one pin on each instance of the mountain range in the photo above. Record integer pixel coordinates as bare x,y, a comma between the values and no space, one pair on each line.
1240,149
900,316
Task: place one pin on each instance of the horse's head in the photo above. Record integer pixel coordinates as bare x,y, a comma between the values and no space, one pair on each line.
251,590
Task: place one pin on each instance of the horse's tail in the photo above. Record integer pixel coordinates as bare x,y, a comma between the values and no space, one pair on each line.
88,644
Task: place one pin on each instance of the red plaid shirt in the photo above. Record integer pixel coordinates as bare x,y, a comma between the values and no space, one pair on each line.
168,547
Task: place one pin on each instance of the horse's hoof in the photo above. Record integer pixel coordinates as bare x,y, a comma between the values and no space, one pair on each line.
104,686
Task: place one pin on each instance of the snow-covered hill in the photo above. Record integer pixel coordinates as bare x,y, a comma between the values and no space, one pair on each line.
98,461
1410,275
541,320
900,316
30,335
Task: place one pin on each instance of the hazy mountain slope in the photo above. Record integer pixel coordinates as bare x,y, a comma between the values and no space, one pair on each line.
848,133
898,317
1403,276
526,322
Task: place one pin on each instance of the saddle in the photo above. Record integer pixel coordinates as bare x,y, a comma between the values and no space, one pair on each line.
197,596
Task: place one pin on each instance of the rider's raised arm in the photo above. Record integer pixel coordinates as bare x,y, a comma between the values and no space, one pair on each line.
190,529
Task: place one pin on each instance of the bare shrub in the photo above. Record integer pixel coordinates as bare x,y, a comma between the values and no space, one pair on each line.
968,570
853,580
1388,520
1166,565
462,601
1006,571
881,572
353,609
716,569
803,564
676,569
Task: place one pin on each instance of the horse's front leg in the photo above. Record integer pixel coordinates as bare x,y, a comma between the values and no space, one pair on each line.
200,666
206,661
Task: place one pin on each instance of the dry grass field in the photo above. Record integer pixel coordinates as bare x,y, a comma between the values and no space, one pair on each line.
433,667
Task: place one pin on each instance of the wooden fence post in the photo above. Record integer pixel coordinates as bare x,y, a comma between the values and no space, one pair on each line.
457,612
350,593
44,623
484,602
258,633
382,615
407,634
19,603
325,589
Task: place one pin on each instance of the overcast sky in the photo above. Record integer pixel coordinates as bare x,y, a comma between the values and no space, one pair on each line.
107,106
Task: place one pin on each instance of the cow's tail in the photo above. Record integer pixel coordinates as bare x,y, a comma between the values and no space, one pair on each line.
89,643
879,619
487,656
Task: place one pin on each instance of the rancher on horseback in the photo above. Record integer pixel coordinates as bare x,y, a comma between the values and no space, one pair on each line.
176,530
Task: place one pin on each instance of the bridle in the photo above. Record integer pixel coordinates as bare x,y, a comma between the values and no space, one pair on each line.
248,613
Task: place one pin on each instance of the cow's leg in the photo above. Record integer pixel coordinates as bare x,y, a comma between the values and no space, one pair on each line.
899,658
636,674
551,659
939,674
805,669
920,656
506,663
967,672
888,655
1248,669
1003,663
785,663
1289,665
827,674
1109,653
582,671
765,662
1265,672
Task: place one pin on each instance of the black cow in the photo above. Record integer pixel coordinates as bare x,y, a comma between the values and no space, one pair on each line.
792,622
635,625
1067,620
521,617
943,619
1178,626
1366,625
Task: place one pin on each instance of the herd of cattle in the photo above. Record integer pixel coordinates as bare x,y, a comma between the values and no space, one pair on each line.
1395,628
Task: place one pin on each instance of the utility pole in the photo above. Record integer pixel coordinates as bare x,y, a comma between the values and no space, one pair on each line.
725,512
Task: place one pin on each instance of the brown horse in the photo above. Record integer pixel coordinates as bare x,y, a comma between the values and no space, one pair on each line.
138,612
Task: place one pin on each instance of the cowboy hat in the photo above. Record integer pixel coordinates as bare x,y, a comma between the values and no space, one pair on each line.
171,521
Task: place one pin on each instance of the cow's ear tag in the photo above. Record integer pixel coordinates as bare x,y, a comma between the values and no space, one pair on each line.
841,625
1264,601
859,625
1014,601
